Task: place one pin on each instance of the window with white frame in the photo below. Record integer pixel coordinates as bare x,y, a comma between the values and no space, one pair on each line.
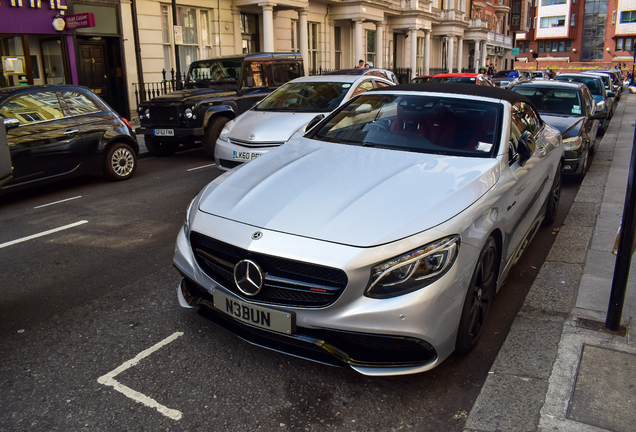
553,21
337,47
312,33
420,54
197,36
369,54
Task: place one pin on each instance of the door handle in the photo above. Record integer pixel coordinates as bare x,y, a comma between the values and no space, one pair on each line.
71,132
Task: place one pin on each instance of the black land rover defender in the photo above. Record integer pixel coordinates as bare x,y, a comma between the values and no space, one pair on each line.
216,91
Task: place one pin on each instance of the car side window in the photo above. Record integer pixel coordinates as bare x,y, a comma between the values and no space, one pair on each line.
283,72
381,84
589,100
363,87
33,107
517,126
532,120
78,103
256,71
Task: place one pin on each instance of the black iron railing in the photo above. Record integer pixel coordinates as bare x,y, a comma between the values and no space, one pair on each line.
154,89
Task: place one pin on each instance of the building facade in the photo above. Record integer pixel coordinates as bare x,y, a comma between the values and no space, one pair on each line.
573,35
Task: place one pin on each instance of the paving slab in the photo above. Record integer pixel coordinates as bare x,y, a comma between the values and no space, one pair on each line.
605,390
554,289
582,214
571,244
508,403
530,348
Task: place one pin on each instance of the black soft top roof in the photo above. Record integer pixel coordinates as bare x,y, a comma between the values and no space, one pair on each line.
463,89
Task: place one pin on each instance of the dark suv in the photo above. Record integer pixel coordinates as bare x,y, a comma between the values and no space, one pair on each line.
216,91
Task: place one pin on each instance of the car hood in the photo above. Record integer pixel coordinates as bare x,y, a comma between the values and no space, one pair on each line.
269,126
351,195
568,126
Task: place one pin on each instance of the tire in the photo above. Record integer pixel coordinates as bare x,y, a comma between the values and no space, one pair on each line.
480,293
120,162
158,149
554,197
212,133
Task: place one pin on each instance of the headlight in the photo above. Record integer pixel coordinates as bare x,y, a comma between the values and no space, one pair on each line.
226,130
186,225
188,113
573,143
413,270
147,113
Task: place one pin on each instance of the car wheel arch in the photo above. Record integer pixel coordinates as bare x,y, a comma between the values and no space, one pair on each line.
120,139
218,111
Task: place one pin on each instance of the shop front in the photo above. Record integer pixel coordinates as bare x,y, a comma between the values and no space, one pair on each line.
35,46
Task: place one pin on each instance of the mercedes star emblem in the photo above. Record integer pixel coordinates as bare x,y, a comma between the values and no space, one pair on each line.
257,235
251,137
248,277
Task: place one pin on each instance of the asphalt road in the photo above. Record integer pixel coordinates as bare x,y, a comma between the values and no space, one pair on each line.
78,304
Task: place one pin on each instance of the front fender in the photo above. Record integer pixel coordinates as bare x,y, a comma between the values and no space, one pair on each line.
228,109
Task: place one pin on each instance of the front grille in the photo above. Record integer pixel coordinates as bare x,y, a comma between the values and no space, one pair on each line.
287,282
165,116
256,144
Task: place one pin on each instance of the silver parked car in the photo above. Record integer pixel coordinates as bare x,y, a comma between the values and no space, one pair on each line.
286,111
378,239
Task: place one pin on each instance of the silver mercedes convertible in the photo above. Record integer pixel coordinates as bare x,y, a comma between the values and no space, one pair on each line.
378,239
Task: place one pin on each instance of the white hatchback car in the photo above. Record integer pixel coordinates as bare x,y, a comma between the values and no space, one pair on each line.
288,110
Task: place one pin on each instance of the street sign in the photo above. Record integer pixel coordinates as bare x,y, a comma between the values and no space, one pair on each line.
178,35
515,52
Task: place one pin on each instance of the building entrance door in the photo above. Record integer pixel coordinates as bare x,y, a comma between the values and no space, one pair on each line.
93,71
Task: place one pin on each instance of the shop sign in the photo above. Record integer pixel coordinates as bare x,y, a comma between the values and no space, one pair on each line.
80,20
37,4
59,23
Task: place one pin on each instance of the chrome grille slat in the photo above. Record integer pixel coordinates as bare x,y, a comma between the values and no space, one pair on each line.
287,282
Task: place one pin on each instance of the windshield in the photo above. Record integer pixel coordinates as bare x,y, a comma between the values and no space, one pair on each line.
414,123
465,80
305,97
553,101
214,71
592,83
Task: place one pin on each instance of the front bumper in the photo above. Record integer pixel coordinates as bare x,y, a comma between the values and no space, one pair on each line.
331,347
178,131
573,163
228,155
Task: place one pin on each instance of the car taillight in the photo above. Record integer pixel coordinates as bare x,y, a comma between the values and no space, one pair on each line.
127,124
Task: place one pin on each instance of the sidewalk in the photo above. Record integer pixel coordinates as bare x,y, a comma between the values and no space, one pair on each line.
559,370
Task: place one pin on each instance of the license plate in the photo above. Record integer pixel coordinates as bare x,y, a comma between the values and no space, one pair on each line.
245,156
164,132
270,319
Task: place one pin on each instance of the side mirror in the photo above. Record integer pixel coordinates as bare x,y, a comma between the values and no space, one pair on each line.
11,123
526,147
611,94
249,82
313,122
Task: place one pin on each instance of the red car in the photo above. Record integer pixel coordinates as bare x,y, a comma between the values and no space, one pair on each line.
464,78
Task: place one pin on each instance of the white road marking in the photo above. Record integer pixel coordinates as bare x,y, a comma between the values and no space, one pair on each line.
57,202
109,380
204,166
31,237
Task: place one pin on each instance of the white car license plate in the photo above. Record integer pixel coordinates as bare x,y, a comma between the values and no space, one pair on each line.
245,156
270,319
164,132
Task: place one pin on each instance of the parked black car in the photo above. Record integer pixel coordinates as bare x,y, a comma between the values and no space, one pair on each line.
216,91
571,108
604,99
57,132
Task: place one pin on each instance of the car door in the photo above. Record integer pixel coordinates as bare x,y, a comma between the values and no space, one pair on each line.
41,146
92,119
524,200
6,169
590,125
